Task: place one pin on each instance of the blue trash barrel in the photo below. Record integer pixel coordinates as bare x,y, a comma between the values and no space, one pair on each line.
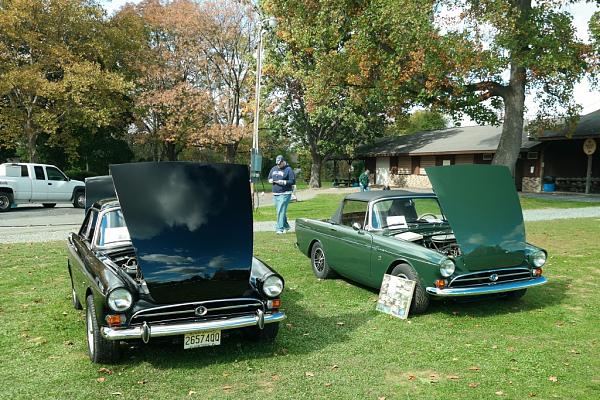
549,187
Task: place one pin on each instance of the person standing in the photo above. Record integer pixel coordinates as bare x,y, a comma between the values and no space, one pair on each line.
282,177
363,181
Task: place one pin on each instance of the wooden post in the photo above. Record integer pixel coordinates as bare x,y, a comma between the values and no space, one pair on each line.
588,177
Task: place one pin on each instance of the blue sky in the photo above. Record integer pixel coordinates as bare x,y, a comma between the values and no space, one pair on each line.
584,94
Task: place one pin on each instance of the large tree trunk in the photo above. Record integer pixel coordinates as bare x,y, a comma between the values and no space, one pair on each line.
230,152
171,151
31,141
512,129
315,170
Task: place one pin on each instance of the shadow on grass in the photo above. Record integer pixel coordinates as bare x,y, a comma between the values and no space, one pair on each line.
303,332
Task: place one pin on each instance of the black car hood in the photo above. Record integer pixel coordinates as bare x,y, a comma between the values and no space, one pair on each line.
98,188
191,226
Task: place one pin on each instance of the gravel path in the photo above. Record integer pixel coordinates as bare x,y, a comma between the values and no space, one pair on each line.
43,225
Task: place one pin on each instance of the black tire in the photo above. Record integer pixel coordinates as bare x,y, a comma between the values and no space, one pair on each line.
420,300
100,350
267,334
321,269
516,294
49,205
79,199
6,200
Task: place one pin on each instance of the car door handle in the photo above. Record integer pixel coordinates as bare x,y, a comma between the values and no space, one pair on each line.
49,183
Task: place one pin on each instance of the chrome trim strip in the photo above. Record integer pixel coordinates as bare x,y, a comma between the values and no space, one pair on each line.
159,330
489,289
198,303
491,271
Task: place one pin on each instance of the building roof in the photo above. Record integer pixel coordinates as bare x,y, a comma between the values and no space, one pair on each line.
381,194
588,126
460,140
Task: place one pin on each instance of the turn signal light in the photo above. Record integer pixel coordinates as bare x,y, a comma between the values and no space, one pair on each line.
440,283
537,272
276,303
114,319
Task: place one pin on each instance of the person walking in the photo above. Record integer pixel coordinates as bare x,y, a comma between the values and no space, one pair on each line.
282,178
363,181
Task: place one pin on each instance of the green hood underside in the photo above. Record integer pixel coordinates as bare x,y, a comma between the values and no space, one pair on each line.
482,206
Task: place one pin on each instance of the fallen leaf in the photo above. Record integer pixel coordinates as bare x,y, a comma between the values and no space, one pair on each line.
105,371
381,398
532,394
117,394
68,343
575,351
499,393
226,374
328,384
453,377
334,366
494,346
227,387
142,382
289,326
305,334
433,378
454,312
65,313
473,385
411,377
553,379
101,379
474,368
191,392
510,348
340,323
309,374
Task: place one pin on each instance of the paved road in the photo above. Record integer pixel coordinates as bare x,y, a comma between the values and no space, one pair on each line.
38,224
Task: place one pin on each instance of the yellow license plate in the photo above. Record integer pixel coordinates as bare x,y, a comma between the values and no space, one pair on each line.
202,339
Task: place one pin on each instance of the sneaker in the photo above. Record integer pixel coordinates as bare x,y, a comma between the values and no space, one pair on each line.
279,232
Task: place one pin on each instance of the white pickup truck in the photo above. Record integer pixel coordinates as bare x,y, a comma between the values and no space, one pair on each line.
22,183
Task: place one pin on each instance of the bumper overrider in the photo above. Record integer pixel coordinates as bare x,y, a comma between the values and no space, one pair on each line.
146,331
486,289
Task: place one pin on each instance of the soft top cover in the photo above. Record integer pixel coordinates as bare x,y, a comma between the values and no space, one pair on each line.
483,208
98,188
191,226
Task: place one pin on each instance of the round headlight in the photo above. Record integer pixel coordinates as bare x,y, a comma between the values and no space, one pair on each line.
447,268
538,259
119,299
272,286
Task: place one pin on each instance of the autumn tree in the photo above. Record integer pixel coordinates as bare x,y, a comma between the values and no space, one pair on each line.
474,57
54,78
306,70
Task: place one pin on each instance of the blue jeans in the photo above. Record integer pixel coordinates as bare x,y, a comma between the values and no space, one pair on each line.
363,188
281,204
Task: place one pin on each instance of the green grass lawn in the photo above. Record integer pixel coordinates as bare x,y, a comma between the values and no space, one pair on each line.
324,205
333,344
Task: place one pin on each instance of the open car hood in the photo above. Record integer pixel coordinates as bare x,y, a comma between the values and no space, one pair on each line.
191,226
482,206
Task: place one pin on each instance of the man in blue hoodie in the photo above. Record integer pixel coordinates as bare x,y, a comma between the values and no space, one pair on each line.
282,177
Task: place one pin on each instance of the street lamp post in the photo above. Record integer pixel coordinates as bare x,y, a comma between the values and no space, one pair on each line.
255,156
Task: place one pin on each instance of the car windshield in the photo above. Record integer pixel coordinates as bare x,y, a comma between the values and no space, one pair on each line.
113,229
398,213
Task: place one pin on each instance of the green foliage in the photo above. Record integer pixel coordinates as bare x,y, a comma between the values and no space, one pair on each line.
53,74
418,121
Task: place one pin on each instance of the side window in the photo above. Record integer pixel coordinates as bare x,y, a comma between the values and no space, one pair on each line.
24,171
54,174
39,173
89,234
354,211
85,224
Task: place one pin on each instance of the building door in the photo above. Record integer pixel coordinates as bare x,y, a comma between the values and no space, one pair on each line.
519,174
382,171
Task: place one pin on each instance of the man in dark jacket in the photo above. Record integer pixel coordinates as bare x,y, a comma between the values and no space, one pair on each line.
282,177
363,181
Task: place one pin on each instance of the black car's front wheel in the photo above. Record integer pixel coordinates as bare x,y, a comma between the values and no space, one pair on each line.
79,199
100,350
420,300
267,334
321,269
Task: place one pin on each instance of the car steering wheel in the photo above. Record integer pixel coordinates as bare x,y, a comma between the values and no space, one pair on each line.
422,217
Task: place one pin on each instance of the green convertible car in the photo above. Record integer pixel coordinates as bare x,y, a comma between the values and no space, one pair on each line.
466,239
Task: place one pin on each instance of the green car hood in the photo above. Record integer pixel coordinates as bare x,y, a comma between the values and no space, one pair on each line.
482,206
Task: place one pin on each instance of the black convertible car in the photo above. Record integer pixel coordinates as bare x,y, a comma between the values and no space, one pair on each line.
165,249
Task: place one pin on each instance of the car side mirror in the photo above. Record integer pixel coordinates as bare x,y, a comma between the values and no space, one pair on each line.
356,226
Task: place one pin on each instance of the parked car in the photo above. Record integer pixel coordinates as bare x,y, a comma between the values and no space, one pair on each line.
171,257
23,183
466,239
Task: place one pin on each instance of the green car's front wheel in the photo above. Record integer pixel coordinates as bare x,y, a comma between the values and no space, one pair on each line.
321,269
420,300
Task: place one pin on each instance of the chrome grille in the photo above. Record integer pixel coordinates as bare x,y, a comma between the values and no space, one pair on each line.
187,311
491,277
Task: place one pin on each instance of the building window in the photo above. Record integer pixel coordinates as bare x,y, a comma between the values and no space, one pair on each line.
532,155
488,157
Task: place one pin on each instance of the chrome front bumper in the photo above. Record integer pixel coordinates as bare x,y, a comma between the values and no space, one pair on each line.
487,289
145,332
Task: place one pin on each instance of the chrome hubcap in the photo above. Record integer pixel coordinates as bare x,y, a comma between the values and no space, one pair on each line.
90,332
4,203
319,260
81,200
